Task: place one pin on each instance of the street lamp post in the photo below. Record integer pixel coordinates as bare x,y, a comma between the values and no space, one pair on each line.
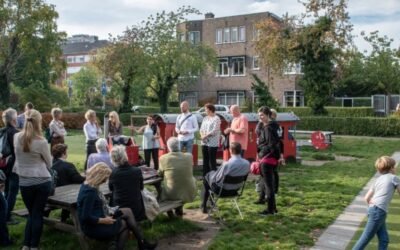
104,93
70,92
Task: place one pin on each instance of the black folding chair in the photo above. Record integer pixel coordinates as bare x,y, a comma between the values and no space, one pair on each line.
217,193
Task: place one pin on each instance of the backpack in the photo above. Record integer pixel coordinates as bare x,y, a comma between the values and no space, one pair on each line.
5,148
48,135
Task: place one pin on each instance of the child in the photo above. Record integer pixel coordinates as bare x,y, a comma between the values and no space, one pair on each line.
378,199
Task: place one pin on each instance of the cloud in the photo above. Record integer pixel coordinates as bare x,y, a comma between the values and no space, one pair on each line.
113,16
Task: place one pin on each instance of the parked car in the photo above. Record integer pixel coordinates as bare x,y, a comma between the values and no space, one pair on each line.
218,109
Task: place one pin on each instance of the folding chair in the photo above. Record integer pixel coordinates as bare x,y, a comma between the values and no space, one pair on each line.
217,193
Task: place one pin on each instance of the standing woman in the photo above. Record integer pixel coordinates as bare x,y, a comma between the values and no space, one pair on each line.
151,143
32,164
210,132
9,117
92,132
114,125
57,130
268,149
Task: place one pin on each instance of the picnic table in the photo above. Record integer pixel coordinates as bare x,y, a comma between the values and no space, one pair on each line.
65,197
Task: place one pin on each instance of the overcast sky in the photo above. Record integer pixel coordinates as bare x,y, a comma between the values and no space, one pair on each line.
101,17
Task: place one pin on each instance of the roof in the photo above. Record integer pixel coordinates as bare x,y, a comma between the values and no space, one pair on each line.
83,47
267,13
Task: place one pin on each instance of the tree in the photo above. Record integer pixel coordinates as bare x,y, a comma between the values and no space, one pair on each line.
86,86
30,52
167,60
122,63
264,97
317,46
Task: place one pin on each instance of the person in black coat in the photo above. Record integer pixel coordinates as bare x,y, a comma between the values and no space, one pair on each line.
9,118
66,171
126,184
94,215
269,153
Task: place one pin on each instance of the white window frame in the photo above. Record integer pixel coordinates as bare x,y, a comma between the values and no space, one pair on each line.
242,34
194,37
219,33
256,58
224,95
244,66
293,94
219,65
234,39
227,35
256,33
182,37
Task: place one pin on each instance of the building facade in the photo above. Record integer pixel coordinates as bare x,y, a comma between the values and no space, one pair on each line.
78,51
234,40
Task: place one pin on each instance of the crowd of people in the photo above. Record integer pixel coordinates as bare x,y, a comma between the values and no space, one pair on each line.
32,168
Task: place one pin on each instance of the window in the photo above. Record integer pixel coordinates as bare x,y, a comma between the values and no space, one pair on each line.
256,33
223,69
256,63
69,59
293,69
190,97
234,34
194,37
293,99
231,98
182,37
238,66
218,36
227,35
82,59
242,34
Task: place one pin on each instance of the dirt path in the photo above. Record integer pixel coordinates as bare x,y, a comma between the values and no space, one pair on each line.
193,240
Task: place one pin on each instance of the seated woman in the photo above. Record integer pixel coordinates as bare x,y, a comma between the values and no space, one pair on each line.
94,217
177,169
126,183
66,171
115,130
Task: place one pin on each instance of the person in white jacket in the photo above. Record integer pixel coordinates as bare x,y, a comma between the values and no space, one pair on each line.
186,125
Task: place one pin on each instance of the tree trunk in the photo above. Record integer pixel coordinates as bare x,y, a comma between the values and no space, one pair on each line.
163,99
126,92
5,91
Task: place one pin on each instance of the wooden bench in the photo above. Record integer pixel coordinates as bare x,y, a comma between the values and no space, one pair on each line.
166,206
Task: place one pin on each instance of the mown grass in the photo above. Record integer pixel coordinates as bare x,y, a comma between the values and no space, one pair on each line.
310,199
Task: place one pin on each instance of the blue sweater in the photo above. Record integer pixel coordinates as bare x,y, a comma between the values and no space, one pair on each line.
90,207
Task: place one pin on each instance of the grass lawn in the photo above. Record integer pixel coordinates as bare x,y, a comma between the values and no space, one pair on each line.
310,198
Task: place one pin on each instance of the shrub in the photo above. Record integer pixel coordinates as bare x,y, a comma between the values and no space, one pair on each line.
332,111
71,120
366,126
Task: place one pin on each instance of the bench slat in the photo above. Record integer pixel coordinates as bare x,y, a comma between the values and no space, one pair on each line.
166,206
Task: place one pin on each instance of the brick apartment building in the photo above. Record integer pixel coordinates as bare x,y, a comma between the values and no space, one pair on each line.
234,40
78,51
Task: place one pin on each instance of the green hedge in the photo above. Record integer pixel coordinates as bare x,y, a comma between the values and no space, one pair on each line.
332,111
367,126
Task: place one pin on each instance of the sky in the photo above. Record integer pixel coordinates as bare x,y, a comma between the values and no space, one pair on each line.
104,17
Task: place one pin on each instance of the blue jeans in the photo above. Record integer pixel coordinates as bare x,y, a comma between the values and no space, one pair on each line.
35,198
4,237
12,188
188,145
376,225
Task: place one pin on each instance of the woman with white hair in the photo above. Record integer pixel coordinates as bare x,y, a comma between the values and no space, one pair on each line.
126,183
57,130
94,214
92,132
177,169
32,164
102,155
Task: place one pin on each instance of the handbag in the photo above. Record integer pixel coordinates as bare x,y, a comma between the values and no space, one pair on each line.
151,206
